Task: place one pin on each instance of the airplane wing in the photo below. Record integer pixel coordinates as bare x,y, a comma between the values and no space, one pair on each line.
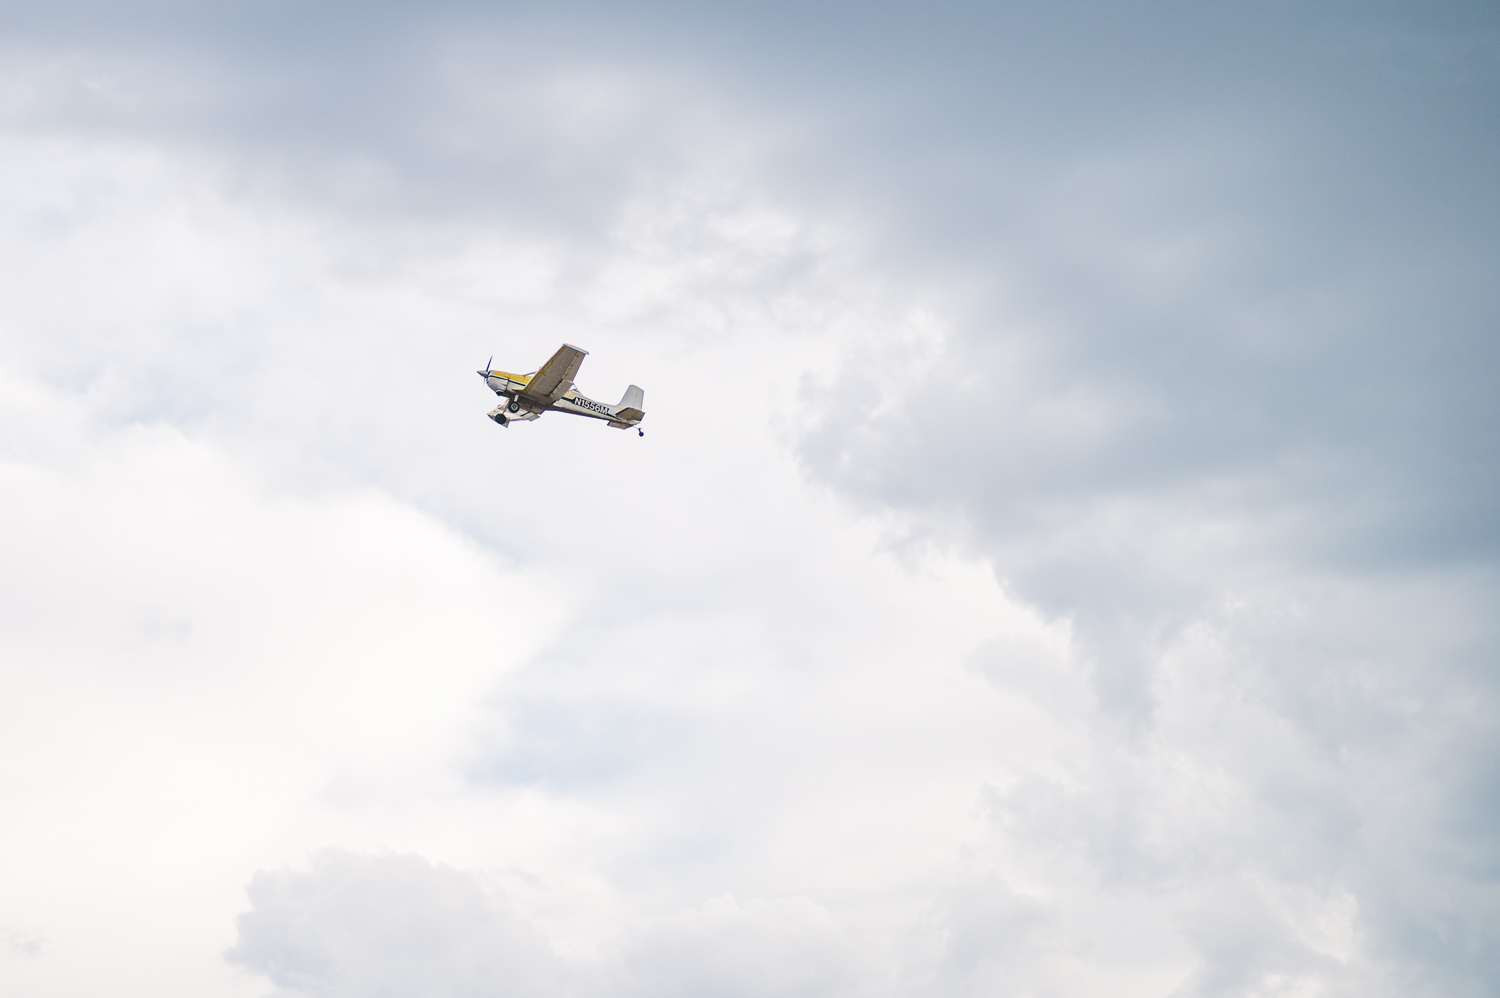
556,376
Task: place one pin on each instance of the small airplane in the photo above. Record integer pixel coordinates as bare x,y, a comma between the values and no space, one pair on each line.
551,390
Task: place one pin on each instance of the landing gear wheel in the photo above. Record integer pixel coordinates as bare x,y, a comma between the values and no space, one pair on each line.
641,432
514,407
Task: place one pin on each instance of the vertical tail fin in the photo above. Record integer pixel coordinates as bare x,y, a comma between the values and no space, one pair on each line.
634,399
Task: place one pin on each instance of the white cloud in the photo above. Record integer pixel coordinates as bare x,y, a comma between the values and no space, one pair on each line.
279,584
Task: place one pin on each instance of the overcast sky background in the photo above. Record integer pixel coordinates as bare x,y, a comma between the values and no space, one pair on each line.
1061,559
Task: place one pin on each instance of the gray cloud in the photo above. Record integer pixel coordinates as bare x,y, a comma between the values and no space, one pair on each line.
397,925
758,948
24,942
1182,321
1225,361
991,941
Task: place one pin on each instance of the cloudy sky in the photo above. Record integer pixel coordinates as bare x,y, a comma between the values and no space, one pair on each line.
1061,561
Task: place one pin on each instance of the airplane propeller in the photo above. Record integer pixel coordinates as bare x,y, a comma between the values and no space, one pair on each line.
486,371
